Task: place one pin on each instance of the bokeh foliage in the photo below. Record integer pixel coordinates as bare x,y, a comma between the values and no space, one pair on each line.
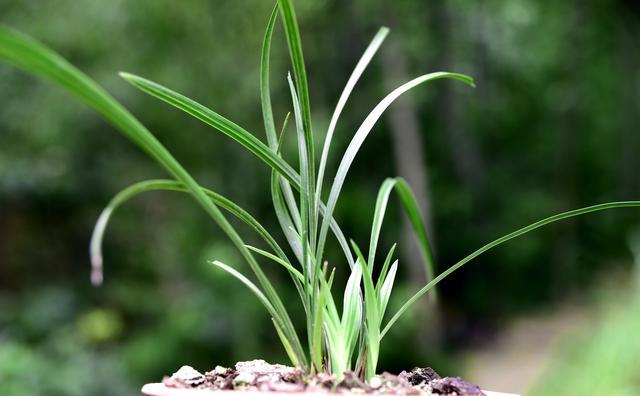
551,126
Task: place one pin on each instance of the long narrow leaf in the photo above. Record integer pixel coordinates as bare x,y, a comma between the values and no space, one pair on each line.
501,240
283,199
285,186
410,205
372,317
34,57
387,286
286,210
232,130
265,93
254,289
378,215
344,96
299,72
214,119
166,185
285,219
265,301
304,181
286,224
351,296
352,312
287,345
412,210
278,260
335,344
385,268
359,138
317,325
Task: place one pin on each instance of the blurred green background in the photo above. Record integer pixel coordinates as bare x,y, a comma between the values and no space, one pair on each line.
552,125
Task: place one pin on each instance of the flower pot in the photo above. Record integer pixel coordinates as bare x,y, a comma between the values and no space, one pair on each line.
257,377
159,389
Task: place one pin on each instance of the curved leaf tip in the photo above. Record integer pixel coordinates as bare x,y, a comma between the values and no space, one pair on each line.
127,76
136,80
457,76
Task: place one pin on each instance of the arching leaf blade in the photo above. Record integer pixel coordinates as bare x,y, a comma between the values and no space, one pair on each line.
210,117
501,240
412,210
294,42
297,274
360,67
265,92
169,185
359,138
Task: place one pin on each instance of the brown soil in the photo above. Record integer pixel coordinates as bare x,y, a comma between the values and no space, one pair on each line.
258,375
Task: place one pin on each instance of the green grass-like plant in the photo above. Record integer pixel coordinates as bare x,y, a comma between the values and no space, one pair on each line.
336,340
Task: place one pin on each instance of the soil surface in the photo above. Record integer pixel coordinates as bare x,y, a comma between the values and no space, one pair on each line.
258,375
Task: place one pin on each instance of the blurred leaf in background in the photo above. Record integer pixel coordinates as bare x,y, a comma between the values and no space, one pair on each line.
551,126
603,357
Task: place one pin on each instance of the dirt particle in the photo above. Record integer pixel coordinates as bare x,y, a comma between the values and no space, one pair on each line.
258,375
420,375
454,386
186,376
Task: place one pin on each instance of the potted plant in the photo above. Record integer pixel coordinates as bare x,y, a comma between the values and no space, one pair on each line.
341,346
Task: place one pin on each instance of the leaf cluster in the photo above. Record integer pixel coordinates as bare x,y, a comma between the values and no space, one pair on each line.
337,340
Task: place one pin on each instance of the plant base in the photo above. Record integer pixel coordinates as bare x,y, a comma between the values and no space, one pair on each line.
258,377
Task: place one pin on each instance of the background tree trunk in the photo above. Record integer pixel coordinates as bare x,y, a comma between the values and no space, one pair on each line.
467,160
